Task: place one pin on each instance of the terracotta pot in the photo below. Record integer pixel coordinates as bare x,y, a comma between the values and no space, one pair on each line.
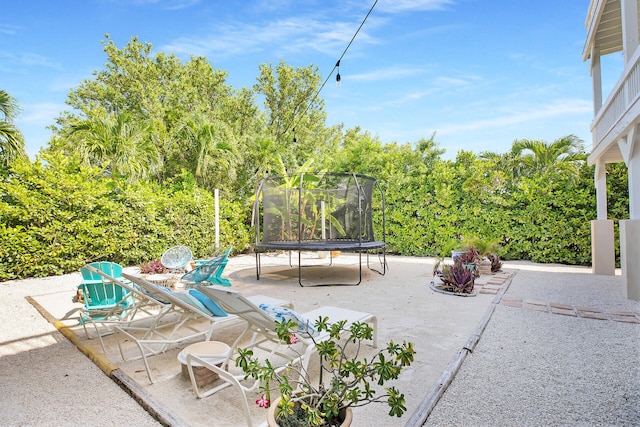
346,414
484,267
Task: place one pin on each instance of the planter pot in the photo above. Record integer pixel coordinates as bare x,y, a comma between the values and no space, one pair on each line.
470,267
345,414
456,254
484,267
437,280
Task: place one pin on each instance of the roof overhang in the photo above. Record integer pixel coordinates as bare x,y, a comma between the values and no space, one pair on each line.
604,28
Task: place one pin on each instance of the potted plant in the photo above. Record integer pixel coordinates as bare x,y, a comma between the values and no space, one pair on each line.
458,278
345,380
155,272
485,248
153,267
496,263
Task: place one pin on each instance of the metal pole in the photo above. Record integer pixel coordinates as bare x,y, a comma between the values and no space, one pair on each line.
216,196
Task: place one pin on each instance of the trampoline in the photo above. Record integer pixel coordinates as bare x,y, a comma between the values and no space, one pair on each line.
320,212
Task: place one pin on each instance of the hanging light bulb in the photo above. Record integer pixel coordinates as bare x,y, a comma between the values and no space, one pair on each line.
338,83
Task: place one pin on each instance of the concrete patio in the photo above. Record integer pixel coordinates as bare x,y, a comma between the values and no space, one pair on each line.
47,381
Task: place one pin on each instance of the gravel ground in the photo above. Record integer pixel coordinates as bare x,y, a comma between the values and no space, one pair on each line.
529,368
532,368
44,379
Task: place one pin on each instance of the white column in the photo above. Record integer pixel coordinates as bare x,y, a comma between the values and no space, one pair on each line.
216,197
633,171
629,9
600,178
603,254
596,80
630,229
630,257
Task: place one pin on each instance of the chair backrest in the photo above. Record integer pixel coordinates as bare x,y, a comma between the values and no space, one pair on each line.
206,270
110,268
218,272
97,290
176,257
179,300
233,302
124,284
222,257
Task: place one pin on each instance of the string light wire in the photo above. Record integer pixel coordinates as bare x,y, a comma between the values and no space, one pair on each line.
334,67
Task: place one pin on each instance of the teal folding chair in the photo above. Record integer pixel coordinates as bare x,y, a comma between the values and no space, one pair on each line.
207,273
104,301
209,270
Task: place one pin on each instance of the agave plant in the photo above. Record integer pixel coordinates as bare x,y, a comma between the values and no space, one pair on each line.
457,278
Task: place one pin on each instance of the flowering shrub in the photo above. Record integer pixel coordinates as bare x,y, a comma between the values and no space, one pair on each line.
153,267
304,402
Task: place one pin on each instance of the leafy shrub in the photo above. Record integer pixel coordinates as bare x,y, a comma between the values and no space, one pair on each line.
57,215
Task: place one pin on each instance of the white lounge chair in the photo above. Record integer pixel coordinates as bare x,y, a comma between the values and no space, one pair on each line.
262,327
175,323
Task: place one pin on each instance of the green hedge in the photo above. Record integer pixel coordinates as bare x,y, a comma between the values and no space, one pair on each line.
56,216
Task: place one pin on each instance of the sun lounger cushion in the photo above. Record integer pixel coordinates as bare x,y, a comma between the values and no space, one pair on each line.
211,305
192,297
155,296
283,313
191,300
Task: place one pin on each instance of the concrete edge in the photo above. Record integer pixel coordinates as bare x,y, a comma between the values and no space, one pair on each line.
421,414
113,371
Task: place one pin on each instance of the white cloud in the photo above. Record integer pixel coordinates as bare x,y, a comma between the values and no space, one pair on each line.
28,59
33,123
9,29
558,108
163,4
294,35
396,6
42,113
387,74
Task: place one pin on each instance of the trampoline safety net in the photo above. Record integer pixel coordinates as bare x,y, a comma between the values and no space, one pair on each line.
316,210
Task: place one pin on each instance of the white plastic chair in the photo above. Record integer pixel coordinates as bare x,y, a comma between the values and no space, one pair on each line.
262,326
176,323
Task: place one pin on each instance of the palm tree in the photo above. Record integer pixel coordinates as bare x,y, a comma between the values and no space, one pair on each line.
210,149
563,156
119,144
11,140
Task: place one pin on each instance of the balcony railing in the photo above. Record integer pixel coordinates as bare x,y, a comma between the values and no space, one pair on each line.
624,94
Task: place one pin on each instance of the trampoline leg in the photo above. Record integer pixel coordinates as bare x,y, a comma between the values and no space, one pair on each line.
257,265
331,284
299,268
383,263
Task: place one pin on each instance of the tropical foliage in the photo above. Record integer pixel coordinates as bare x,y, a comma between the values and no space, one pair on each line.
11,140
57,215
131,168
346,378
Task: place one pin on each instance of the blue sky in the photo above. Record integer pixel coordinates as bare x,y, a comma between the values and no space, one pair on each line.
478,73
